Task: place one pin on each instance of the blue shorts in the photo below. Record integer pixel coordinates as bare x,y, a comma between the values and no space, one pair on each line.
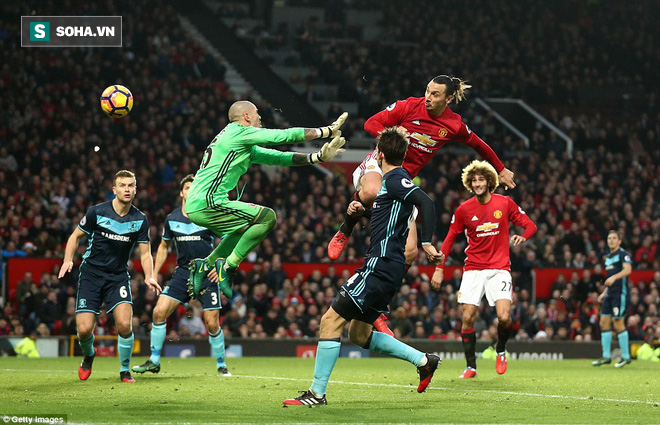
177,289
615,306
370,290
96,286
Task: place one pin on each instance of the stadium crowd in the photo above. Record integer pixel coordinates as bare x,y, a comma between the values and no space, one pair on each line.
58,153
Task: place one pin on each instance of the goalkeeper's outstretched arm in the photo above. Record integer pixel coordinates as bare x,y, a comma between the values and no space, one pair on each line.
295,159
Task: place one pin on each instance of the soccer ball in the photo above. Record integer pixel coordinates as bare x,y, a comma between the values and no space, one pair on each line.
116,101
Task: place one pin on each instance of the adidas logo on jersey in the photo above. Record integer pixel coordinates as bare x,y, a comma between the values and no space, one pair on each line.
416,122
475,218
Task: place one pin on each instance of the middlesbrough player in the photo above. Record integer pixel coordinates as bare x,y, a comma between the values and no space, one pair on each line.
431,124
370,290
485,220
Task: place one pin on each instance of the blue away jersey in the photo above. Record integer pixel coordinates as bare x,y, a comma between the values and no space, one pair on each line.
112,237
190,240
391,216
614,264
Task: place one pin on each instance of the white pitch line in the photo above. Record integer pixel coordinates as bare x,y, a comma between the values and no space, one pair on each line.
367,384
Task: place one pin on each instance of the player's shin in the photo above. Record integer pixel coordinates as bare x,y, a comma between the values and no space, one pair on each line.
217,341
623,344
327,353
469,338
606,343
158,333
125,348
390,346
87,345
503,333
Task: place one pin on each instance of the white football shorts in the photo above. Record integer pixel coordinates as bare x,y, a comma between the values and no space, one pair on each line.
368,165
496,284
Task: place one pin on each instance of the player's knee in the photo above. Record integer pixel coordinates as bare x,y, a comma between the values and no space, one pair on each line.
619,326
124,326
504,318
212,324
605,323
326,320
268,217
468,321
331,325
358,338
159,314
85,331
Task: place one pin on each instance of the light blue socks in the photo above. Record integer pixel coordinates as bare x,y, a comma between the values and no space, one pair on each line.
606,342
623,344
125,348
327,353
385,344
158,333
217,342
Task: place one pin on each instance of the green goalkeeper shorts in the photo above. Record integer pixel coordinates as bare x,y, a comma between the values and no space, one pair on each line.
226,216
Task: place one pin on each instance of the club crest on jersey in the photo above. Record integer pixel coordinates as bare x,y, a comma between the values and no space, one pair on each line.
498,214
423,139
133,227
443,132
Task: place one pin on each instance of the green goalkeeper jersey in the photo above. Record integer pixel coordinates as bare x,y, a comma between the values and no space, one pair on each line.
228,157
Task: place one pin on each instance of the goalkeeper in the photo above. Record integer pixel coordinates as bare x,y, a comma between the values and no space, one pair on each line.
227,158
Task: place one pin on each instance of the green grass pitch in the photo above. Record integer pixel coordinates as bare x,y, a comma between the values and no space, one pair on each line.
361,390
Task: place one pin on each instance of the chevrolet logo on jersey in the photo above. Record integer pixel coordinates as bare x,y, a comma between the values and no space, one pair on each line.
487,227
423,139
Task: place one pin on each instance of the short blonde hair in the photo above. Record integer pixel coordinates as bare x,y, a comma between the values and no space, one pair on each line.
123,174
482,168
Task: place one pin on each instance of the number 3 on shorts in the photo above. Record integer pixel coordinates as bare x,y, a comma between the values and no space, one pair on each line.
214,298
122,292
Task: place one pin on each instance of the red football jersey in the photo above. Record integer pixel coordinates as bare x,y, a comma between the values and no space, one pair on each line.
428,133
487,230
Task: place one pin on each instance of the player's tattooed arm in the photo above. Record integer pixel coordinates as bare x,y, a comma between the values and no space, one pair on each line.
331,130
311,134
300,159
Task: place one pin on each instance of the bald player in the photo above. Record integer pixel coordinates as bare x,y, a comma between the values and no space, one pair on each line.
227,158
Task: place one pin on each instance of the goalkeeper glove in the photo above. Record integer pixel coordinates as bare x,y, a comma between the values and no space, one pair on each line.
333,129
328,151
